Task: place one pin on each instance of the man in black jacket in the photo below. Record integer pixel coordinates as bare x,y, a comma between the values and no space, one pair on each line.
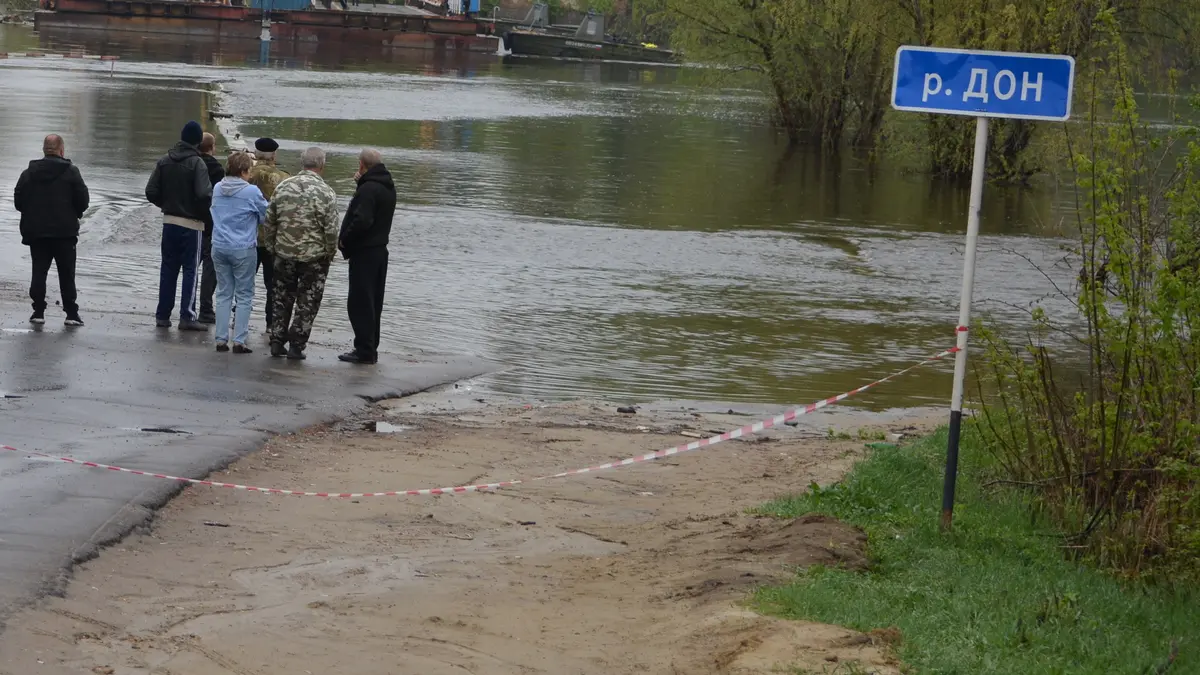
208,275
363,241
181,188
51,197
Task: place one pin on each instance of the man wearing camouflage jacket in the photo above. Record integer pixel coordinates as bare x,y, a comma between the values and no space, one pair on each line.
301,234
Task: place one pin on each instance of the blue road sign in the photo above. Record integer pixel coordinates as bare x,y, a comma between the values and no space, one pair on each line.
983,84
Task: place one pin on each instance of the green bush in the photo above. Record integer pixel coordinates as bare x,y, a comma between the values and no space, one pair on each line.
826,66
1109,444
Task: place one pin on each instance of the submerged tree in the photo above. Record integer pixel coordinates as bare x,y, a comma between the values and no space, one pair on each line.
827,64
1038,26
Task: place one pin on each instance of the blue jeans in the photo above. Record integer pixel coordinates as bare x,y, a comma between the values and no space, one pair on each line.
181,249
235,278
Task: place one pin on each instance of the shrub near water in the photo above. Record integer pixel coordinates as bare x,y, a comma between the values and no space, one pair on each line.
995,597
827,66
1111,447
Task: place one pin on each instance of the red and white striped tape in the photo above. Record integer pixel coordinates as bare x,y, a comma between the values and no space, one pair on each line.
679,449
57,55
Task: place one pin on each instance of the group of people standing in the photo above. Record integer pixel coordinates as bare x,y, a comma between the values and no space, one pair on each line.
221,224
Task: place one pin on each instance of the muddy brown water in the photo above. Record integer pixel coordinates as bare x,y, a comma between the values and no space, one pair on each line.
604,230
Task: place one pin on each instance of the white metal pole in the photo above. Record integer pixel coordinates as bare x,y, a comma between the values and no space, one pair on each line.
978,175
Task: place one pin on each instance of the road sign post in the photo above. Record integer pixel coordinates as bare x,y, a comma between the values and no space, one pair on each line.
983,85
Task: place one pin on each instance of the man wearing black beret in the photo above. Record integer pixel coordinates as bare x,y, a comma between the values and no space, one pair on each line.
266,176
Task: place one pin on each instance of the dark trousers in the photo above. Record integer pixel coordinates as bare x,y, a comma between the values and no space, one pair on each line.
208,278
267,262
368,277
61,252
299,289
181,248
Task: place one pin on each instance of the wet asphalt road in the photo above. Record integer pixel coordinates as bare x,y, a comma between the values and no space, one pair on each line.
86,392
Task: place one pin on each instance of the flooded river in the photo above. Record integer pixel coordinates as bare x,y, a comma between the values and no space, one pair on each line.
605,230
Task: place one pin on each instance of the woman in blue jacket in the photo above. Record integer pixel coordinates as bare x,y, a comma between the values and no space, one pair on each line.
237,210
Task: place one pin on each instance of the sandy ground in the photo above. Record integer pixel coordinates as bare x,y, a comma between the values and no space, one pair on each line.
644,569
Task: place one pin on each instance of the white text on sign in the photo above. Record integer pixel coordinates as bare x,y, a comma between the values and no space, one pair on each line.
983,84
978,86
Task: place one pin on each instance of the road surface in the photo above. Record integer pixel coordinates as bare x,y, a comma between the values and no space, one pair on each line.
88,392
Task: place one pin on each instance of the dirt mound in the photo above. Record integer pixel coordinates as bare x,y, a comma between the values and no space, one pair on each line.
735,555
740,642
812,539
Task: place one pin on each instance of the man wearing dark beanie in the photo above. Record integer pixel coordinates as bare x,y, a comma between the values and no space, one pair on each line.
181,188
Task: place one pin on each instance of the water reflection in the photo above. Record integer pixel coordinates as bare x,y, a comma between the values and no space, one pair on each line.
602,229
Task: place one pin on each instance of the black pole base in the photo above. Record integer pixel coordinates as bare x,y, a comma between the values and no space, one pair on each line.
951,470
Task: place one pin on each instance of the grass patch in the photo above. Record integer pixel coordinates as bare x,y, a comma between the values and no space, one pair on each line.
995,596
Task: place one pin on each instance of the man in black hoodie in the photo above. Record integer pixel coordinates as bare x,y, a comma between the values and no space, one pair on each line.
363,241
181,188
208,275
51,197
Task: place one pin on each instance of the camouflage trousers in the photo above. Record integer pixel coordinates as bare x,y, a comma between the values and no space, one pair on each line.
299,288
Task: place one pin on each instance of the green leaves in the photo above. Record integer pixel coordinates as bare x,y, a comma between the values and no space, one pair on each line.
1110,450
826,64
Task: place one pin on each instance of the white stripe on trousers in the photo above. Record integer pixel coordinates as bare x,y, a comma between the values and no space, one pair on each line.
199,274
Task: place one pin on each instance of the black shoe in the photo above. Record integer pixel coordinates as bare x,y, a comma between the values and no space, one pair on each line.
162,323
209,319
241,349
296,354
222,347
38,318
73,319
277,349
192,325
353,357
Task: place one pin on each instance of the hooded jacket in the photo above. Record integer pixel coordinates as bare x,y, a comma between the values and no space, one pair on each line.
51,197
237,209
180,187
368,221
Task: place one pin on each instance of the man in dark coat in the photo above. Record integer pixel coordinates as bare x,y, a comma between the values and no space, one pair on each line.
51,197
363,241
208,275
181,188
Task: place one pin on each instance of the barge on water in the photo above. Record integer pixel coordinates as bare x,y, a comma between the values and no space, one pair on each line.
396,27
588,41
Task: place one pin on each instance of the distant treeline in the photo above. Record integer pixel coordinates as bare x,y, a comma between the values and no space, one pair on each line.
826,64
